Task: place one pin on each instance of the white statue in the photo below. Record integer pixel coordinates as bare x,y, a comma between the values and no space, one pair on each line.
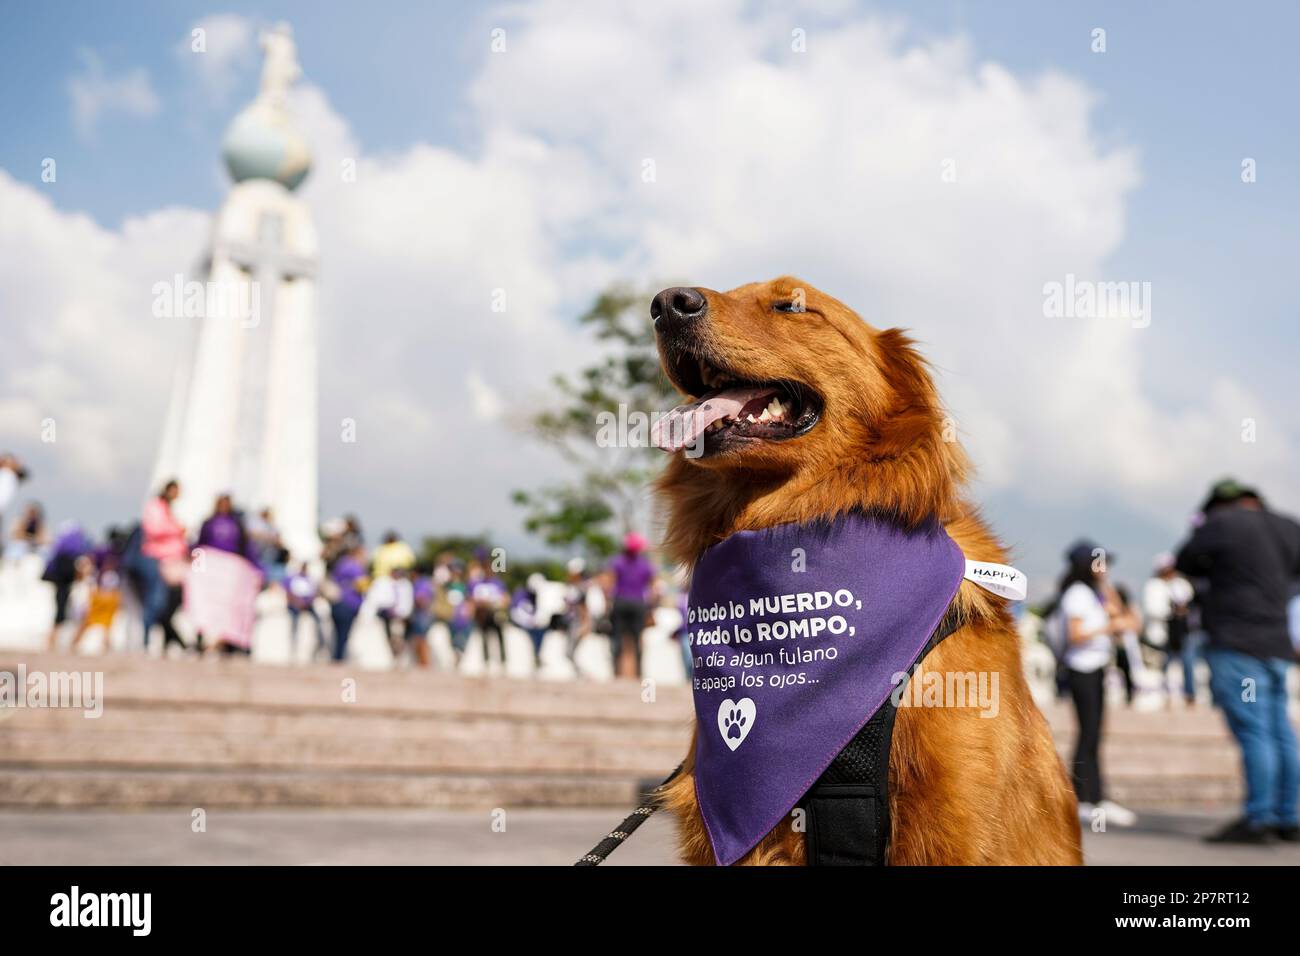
280,70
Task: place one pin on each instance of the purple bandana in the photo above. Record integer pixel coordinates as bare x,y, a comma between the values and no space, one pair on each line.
796,634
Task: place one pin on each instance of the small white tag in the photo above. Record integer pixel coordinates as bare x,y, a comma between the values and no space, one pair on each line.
1002,579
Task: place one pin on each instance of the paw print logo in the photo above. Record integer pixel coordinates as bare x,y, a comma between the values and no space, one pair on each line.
736,720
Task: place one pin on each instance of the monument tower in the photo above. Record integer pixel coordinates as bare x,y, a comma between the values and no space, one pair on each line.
243,415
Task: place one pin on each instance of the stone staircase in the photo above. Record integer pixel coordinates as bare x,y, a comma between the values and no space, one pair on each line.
1162,759
235,733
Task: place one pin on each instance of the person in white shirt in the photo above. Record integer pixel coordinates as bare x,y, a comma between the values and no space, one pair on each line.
1166,597
12,474
1090,616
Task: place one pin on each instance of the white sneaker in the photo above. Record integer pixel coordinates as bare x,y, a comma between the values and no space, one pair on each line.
1085,812
1120,816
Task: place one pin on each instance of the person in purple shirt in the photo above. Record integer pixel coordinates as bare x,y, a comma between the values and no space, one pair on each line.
61,571
491,600
421,619
348,583
630,591
224,530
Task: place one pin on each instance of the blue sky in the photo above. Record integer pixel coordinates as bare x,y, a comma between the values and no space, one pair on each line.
1187,89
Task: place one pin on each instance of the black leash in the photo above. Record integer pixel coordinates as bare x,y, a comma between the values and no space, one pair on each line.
598,853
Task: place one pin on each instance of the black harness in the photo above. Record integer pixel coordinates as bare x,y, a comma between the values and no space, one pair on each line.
847,809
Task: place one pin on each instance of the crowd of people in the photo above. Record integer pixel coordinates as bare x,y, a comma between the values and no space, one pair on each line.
1228,596
1226,600
145,569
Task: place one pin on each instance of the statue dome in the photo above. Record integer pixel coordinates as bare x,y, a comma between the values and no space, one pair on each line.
262,142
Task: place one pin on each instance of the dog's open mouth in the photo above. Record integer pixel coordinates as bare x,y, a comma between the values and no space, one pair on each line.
732,410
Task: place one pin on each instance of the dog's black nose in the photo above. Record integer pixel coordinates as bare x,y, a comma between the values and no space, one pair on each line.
675,307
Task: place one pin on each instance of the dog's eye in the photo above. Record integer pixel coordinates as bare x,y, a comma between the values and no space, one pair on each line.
787,307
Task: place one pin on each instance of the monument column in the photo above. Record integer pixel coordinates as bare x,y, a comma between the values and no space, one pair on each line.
244,420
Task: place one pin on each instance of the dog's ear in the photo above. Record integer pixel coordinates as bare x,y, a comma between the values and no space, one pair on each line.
914,404
912,439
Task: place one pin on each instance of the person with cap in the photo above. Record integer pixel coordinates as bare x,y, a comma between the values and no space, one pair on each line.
630,593
1166,606
1247,558
1089,616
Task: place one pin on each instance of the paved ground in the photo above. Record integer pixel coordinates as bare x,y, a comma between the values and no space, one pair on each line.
545,837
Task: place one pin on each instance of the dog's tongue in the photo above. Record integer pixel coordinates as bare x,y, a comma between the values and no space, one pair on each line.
685,423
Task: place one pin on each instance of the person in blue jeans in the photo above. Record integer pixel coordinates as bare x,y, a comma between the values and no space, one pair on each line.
1193,650
1246,559
1252,694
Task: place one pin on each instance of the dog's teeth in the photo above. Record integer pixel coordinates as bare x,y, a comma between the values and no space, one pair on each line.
765,417
751,418
775,408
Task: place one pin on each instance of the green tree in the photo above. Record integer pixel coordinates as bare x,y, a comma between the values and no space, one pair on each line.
463,546
607,496
467,547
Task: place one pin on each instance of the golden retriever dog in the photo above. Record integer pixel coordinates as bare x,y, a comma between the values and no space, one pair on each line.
858,427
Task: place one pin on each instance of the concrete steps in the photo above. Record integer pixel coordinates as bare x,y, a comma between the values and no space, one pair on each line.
1168,759
131,788
234,733
238,734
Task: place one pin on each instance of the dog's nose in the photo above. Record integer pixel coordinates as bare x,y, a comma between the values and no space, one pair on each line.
676,307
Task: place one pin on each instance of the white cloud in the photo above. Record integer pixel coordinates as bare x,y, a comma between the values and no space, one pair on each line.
484,399
227,49
95,94
80,345
825,164
828,165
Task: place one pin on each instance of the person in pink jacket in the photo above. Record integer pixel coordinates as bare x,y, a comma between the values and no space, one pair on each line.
165,554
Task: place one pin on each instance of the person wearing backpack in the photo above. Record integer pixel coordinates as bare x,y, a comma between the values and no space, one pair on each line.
1086,616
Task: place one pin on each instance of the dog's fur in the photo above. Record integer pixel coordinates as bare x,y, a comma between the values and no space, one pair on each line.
964,789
